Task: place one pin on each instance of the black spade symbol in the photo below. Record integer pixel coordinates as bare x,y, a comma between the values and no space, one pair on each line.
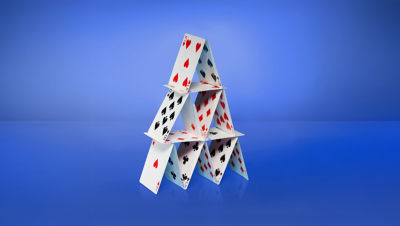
171,116
171,96
179,101
200,61
221,148
165,119
156,125
164,111
173,175
222,158
212,153
203,73
170,161
228,144
205,48
214,76
171,106
165,130
209,63
217,172
185,159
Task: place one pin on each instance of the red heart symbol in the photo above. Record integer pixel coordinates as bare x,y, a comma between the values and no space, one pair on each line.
227,126
175,78
225,116
184,83
188,43
222,104
155,164
203,127
198,46
186,64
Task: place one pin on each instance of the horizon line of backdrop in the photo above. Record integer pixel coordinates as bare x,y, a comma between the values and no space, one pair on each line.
300,60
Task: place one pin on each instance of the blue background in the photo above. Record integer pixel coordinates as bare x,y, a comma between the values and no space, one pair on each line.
314,85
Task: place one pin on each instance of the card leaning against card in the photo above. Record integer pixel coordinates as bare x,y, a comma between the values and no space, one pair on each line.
209,149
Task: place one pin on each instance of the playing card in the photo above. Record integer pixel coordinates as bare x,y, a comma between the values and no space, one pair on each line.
173,172
188,154
206,68
220,152
236,162
190,118
202,86
215,133
206,103
186,62
167,115
222,116
204,164
155,165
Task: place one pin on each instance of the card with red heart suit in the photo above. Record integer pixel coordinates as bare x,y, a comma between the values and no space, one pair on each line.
186,63
155,165
236,162
222,116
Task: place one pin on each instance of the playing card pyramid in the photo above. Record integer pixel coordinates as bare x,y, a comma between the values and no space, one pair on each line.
177,163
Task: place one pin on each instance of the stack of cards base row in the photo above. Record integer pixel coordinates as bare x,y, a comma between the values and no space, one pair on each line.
176,154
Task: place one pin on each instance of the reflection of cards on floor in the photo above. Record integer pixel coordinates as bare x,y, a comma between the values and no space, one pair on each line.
210,107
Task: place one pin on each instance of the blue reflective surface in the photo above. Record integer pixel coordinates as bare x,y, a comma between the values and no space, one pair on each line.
301,173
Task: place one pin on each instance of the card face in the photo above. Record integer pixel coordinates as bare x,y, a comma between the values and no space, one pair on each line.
173,172
155,165
222,117
181,136
206,68
204,164
167,115
190,118
206,103
186,62
236,162
220,152
188,154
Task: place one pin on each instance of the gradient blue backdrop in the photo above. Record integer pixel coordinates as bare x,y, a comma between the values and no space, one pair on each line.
282,60
80,81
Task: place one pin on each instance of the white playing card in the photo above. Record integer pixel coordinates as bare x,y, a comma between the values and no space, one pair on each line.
155,165
206,68
167,115
190,118
222,117
186,62
206,103
236,162
188,154
205,165
220,152
173,172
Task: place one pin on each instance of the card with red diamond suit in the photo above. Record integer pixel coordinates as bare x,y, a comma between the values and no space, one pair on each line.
155,165
186,63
